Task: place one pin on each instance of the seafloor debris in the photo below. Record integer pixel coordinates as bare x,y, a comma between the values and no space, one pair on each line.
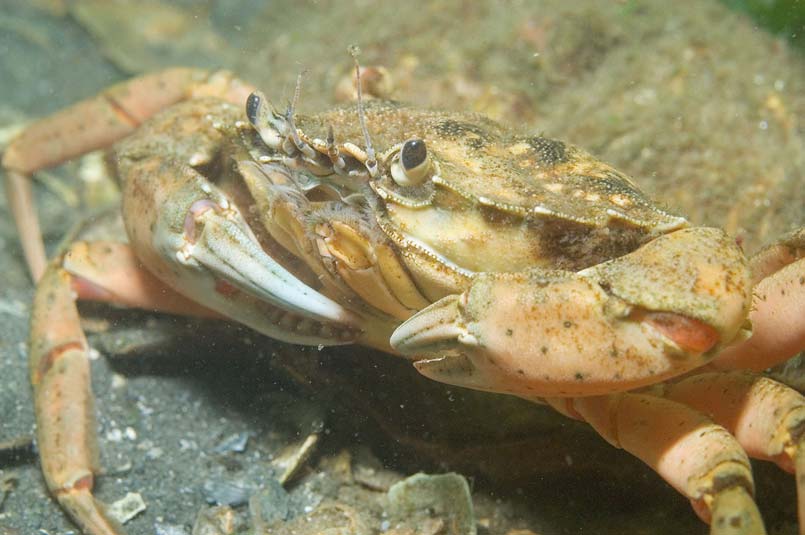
168,529
233,443
8,482
15,449
270,505
232,492
439,502
127,507
293,457
331,517
219,520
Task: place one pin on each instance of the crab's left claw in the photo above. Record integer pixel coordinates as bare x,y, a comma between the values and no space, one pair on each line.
655,313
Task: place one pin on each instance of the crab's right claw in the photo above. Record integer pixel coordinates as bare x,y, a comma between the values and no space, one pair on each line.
658,312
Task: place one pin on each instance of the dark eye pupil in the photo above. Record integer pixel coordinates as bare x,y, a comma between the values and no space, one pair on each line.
252,105
413,153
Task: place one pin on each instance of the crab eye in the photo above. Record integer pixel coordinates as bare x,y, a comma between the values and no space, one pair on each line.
413,154
264,120
254,106
412,165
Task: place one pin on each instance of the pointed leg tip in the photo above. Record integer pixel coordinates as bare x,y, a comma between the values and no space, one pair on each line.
88,513
799,474
734,512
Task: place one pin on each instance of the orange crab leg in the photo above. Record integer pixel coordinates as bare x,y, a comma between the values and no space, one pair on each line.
697,457
92,124
766,417
21,204
98,121
110,272
59,365
60,375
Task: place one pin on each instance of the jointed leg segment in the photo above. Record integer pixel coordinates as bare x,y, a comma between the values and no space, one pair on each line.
699,458
92,124
60,376
767,418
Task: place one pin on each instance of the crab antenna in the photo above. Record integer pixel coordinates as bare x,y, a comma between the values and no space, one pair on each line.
371,162
303,147
298,89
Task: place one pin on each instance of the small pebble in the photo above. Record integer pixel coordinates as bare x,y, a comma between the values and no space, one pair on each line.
234,492
126,508
169,529
233,443
271,504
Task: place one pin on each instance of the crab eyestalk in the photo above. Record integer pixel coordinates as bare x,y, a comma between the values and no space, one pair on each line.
268,123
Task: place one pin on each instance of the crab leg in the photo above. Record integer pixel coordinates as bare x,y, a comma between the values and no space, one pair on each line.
60,375
60,371
110,272
21,204
92,124
766,417
697,457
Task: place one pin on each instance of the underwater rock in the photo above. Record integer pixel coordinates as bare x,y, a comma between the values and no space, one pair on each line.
432,496
271,504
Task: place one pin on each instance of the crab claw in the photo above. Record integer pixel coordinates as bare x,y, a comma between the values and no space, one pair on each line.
195,240
662,310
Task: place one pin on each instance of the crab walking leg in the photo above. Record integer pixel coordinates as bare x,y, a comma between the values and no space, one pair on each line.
20,200
92,124
766,417
778,308
110,272
60,371
697,457
60,375
100,271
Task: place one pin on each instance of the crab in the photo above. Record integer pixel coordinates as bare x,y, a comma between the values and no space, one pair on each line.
492,260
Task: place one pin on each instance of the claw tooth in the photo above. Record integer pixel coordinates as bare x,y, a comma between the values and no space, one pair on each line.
233,254
451,369
438,326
